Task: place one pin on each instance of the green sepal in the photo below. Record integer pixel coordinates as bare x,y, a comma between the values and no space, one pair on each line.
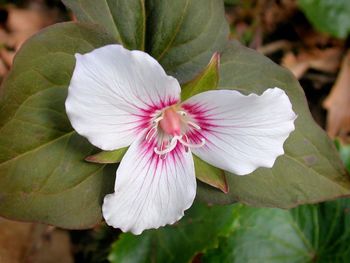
208,79
210,175
107,156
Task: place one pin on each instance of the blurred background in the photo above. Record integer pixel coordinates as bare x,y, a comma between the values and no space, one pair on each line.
310,38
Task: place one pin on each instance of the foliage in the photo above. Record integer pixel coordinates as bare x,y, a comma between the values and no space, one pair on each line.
310,233
182,41
196,232
328,16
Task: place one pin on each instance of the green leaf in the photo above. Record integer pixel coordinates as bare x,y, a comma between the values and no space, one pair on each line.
208,79
328,16
310,233
107,156
124,20
195,233
43,175
262,235
183,34
309,171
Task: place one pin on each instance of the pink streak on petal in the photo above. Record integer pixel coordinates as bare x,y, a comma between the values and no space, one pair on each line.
153,160
200,113
206,121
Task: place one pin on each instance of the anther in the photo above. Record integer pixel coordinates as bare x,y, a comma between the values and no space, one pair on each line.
169,148
182,113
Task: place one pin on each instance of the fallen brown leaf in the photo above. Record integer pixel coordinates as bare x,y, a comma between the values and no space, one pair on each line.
326,60
14,239
275,46
20,25
296,66
33,243
338,102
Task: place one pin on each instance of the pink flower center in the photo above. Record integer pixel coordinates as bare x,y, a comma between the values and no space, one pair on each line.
170,127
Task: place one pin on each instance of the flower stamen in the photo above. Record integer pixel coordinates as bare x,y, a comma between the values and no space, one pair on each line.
194,125
155,121
182,113
191,145
169,147
151,133
168,123
162,145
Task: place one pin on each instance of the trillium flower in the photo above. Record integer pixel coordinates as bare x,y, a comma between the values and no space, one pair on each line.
119,98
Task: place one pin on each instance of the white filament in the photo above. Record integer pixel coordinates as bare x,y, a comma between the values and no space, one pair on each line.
191,145
196,126
169,148
158,119
152,132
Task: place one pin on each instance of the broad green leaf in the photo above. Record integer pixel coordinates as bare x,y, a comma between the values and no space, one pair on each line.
43,175
326,227
125,20
196,232
328,16
310,233
107,156
309,171
183,34
206,80
264,235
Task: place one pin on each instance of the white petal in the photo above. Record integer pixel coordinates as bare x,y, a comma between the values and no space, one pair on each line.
150,192
242,133
112,93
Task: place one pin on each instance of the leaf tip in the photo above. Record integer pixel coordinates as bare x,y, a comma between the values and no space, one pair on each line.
91,159
215,59
225,188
